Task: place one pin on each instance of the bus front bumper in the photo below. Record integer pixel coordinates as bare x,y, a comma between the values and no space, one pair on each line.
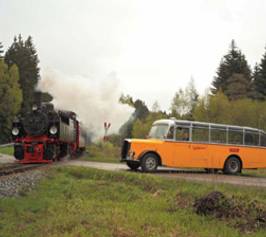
129,158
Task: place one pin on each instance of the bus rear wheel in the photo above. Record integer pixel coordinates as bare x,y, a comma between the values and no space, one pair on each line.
232,166
133,165
149,162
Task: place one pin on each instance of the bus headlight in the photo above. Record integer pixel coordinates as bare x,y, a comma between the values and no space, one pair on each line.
15,131
53,130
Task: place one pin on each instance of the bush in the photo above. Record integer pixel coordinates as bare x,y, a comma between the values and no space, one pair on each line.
115,139
103,149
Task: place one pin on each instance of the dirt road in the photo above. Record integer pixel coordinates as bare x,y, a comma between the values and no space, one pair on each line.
198,175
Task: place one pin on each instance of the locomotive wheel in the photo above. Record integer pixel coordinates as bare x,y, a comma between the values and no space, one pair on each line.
71,151
80,151
19,152
64,150
50,152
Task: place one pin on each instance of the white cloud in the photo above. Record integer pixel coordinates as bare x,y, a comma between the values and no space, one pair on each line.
154,46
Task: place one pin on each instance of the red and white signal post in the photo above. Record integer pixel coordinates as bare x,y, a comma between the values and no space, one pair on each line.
106,128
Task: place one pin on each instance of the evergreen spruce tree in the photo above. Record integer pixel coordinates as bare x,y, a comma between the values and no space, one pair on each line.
232,63
260,79
253,91
237,87
24,55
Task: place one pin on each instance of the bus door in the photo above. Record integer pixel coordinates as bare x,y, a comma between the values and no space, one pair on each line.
181,147
199,155
168,150
199,147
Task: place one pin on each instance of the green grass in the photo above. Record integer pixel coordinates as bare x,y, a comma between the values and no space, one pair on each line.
102,152
254,173
8,150
74,201
106,159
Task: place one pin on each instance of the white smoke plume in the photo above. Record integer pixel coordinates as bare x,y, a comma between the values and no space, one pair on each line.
94,103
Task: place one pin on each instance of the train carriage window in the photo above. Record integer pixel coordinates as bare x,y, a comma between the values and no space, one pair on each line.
235,136
200,133
251,138
218,134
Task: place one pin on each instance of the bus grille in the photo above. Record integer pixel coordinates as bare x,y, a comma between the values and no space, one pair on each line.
125,149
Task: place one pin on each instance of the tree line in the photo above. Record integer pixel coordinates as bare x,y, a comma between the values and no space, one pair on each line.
19,76
237,96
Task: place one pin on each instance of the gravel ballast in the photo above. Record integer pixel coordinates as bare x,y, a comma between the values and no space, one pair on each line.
20,183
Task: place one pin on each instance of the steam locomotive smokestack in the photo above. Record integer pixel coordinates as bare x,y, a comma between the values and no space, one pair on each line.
37,98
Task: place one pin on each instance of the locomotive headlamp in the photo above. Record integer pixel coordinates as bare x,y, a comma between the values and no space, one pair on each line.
15,131
53,130
34,107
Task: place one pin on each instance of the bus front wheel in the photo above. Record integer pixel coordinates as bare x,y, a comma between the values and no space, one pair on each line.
149,162
232,165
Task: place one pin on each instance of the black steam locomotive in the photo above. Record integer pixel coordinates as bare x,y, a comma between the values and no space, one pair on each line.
44,135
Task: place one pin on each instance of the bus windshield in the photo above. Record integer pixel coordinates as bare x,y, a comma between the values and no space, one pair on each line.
158,131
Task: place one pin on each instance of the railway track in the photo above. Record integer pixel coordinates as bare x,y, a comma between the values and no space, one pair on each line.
17,168
6,144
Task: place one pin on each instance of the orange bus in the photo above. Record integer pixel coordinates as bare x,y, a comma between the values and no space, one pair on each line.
191,144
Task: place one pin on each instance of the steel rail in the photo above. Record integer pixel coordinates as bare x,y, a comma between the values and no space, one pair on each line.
17,168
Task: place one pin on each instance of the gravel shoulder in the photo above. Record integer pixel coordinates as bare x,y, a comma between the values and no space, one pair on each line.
17,184
6,159
190,175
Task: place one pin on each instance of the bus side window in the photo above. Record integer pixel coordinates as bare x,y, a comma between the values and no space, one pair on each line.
218,135
200,133
251,138
235,136
182,134
263,139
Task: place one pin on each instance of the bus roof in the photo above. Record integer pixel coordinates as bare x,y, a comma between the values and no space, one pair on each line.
216,125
